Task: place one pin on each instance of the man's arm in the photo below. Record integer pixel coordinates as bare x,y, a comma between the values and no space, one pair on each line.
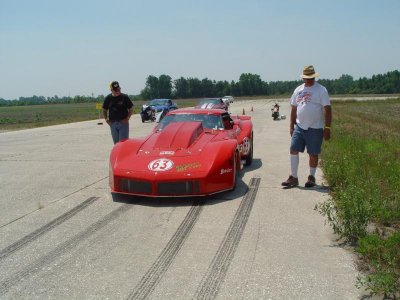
328,121
129,105
293,115
105,115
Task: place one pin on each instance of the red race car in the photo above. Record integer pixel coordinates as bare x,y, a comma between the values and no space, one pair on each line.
191,152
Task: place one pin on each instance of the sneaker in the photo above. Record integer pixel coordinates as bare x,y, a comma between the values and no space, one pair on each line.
291,181
310,182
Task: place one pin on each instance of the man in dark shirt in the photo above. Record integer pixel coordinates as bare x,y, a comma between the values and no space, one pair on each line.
117,110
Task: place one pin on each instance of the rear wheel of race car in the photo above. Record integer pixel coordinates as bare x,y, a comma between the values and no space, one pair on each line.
235,170
249,157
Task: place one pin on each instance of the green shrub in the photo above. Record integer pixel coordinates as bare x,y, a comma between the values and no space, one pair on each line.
362,166
383,256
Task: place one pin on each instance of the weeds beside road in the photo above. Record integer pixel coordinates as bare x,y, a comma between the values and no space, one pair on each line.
362,166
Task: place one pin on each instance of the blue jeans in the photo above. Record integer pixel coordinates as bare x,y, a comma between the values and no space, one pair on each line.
311,138
119,131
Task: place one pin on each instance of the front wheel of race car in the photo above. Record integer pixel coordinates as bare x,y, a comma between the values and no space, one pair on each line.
249,157
119,197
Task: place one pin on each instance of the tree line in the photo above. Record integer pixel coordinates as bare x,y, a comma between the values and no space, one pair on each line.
248,85
252,85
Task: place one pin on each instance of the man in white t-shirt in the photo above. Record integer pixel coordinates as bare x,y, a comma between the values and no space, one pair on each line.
310,121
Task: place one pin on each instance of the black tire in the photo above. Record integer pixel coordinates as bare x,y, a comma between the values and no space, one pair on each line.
235,170
119,197
249,158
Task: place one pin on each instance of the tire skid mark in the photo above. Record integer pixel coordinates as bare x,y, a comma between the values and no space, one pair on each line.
164,260
54,201
61,249
45,228
219,266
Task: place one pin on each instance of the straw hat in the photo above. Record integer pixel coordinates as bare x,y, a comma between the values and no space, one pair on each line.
309,72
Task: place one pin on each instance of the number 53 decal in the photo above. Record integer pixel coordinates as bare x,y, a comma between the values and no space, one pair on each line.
161,164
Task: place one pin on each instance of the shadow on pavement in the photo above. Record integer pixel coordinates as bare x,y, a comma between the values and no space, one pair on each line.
318,188
257,164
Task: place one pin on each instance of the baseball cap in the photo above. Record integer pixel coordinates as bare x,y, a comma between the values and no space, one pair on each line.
114,85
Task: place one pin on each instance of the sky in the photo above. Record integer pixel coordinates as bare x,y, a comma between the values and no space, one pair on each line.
77,47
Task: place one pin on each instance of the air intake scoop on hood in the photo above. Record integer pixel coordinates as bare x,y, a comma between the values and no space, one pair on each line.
176,135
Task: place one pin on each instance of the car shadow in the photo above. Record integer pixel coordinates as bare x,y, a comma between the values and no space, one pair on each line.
255,165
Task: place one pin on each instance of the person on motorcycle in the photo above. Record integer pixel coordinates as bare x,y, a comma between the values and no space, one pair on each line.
147,113
275,111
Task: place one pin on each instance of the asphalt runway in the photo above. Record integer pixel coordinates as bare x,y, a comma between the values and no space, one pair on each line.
63,237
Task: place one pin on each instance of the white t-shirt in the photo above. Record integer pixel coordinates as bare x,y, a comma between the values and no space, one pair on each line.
310,102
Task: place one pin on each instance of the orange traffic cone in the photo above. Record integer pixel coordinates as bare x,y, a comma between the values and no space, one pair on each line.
252,108
243,112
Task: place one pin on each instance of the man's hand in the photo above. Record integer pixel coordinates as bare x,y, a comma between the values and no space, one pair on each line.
105,115
327,134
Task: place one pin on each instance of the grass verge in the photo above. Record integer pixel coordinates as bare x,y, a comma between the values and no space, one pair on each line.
362,166
31,116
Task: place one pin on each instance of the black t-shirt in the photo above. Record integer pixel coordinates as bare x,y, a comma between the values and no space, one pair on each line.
117,106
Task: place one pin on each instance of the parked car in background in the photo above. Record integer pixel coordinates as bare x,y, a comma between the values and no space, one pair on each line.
162,107
228,99
212,103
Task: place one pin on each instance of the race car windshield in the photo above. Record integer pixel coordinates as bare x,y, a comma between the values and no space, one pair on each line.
208,121
214,101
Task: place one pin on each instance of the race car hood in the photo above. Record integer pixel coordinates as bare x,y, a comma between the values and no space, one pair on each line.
179,138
